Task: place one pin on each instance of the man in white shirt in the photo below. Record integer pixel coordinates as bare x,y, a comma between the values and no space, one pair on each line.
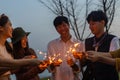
68,69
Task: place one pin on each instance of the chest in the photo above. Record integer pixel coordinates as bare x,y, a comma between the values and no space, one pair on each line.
4,53
103,47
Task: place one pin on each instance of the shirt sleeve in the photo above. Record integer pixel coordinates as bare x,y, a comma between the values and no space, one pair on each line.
115,44
115,54
118,64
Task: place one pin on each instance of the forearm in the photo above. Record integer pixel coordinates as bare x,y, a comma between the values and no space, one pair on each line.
27,62
4,69
107,60
18,63
105,54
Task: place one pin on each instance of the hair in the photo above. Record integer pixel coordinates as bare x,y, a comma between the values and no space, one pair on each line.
59,20
17,47
8,48
97,16
3,20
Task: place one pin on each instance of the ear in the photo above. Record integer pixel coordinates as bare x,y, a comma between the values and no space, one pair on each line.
103,22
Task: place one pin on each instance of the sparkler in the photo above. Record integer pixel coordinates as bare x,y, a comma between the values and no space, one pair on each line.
76,54
50,59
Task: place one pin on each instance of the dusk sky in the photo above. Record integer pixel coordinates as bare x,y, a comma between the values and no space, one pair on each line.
34,17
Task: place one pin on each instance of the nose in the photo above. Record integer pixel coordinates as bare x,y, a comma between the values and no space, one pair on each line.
62,27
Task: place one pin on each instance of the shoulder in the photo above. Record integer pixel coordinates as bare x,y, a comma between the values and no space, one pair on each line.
112,37
53,42
77,41
89,39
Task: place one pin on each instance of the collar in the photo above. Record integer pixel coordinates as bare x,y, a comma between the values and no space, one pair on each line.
97,39
72,39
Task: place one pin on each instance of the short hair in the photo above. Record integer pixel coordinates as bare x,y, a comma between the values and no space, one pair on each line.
97,16
3,20
59,20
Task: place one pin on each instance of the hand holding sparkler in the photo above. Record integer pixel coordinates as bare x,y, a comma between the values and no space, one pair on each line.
80,55
43,65
73,65
70,61
53,64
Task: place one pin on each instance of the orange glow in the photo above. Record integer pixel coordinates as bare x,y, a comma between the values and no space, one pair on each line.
33,56
60,60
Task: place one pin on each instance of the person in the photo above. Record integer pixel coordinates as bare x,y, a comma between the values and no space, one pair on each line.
6,61
112,58
69,68
101,42
21,50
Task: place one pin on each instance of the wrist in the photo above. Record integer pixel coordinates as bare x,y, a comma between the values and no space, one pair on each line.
99,57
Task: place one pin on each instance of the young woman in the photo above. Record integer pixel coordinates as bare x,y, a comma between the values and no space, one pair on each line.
21,50
6,60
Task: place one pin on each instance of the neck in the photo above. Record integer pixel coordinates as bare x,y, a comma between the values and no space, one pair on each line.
66,38
100,34
2,40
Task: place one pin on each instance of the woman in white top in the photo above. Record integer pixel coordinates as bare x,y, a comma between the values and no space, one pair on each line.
6,61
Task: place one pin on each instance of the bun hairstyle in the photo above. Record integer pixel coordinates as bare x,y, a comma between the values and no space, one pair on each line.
3,20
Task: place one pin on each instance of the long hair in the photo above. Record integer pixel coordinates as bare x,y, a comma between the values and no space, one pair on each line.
17,47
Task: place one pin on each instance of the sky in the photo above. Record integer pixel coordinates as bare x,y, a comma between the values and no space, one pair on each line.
33,17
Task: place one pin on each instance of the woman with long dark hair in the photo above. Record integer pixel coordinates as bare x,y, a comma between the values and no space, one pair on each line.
21,50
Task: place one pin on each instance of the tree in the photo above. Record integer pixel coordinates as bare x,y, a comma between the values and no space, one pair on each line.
109,8
72,10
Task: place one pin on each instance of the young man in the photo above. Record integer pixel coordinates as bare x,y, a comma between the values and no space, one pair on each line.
67,70
101,42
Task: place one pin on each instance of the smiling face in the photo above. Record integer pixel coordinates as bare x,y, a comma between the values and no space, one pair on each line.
24,41
96,27
63,29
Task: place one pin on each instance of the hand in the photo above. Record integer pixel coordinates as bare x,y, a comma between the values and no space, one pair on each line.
80,55
47,62
93,56
70,62
43,65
